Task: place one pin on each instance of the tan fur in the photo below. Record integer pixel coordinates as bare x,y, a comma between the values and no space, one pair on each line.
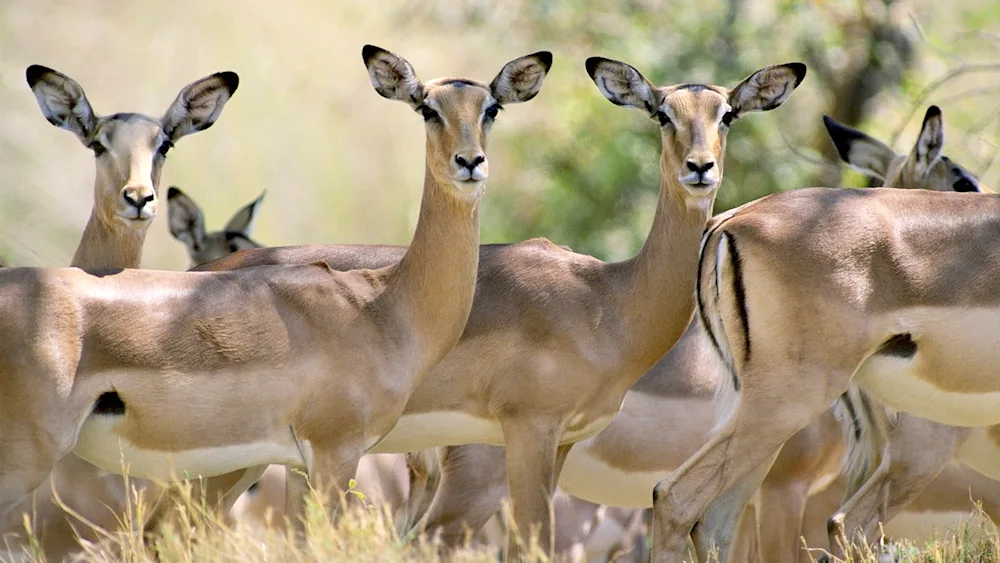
356,342
129,166
821,274
544,315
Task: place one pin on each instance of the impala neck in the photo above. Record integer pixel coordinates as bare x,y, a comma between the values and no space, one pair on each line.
103,247
435,281
656,287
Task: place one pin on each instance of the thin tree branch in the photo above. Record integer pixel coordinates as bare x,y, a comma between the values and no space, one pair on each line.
921,98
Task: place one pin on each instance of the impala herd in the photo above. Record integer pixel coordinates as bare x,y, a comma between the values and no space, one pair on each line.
735,361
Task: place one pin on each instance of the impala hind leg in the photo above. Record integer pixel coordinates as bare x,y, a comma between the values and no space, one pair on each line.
717,528
766,416
916,452
472,487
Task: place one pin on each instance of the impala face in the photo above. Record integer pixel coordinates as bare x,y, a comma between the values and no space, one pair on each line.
458,112
694,119
129,148
925,168
187,224
458,115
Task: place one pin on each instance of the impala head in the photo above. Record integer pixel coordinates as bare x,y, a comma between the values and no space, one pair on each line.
187,224
458,112
694,119
924,168
129,147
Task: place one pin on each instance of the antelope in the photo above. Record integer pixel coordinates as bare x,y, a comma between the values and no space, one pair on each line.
129,153
892,457
555,338
201,374
187,225
803,293
669,413
383,478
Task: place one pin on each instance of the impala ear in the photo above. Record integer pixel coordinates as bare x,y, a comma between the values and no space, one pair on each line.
199,104
521,79
62,101
927,151
392,76
863,153
767,88
623,85
243,220
187,223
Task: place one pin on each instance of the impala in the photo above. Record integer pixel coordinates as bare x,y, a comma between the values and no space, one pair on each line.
187,225
555,338
383,478
205,373
129,152
803,293
669,413
892,457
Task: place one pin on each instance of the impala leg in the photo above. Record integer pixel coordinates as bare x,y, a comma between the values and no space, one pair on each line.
917,451
783,505
766,416
332,470
473,484
532,450
717,528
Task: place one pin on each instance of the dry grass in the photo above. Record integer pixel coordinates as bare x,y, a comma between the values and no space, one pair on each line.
356,532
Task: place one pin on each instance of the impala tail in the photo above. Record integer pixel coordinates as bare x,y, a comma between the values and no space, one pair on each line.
866,427
721,296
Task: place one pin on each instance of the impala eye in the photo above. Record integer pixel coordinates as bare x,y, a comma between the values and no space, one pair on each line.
97,147
164,148
492,111
661,116
728,117
428,113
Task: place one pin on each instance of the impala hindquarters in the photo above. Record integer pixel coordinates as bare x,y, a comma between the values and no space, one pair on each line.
802,289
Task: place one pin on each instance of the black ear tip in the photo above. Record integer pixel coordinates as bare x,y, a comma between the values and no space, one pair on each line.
34,73
370,51
592,64
544,57
799,69
932,111
830,122
231,79
173,192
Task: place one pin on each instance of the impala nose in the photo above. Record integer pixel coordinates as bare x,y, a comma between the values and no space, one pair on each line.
139,198
471,167
470,163
700,169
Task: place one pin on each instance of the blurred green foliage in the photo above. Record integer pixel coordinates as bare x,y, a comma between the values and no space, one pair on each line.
343,165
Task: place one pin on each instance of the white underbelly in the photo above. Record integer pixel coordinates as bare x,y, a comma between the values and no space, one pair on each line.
416,432
590,478
956,348
100,445
889,380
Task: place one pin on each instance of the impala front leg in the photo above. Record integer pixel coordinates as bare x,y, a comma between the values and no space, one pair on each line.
333,469
917,451
534,460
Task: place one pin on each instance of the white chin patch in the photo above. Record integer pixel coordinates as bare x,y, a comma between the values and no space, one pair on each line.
470,190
